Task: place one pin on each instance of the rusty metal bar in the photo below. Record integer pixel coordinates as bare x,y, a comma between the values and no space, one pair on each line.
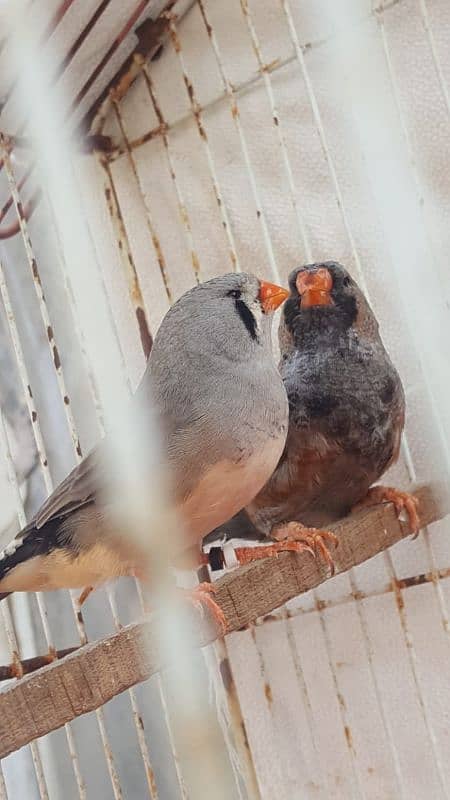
237,743
82,37
109,591
141,6
116,215
43,39
150,223
134,287
277,122
3,790
42,305
198,117
10,201
409,147
169,727
20,509
137,719
13,229
41,448
27,665
5,612
149,35
285,4
184,216
300,676
231,95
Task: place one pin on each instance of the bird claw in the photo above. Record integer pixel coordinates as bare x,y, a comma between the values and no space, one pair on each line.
295,538
314,539
402,501
201,598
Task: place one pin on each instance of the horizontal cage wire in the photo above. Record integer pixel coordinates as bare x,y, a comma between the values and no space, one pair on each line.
234,150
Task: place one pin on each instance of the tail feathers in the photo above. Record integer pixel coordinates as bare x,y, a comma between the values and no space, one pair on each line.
24,547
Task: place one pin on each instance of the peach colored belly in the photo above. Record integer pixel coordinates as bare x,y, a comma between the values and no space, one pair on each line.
225,489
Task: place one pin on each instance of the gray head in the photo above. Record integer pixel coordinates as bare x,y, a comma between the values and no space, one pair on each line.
228,316
325,303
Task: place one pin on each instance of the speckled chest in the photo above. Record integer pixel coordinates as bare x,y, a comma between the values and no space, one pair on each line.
348,392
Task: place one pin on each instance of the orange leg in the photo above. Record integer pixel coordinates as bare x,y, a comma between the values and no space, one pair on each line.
201,596
295,537
403,501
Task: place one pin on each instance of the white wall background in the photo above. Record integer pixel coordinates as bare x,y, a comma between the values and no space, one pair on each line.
327,136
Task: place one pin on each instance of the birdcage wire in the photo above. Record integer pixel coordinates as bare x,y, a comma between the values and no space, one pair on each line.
231,93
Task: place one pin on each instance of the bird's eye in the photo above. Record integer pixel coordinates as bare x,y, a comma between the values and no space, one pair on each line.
235,293
346,281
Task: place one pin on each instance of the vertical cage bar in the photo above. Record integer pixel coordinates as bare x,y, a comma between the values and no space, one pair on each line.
41,301
184,216
149,219
134,287
3,790
39,441
198,117
23,374
388,560
276,120
231,95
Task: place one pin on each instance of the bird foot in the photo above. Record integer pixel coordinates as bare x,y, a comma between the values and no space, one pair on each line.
315,539
295,538
403,501
84,595
201,598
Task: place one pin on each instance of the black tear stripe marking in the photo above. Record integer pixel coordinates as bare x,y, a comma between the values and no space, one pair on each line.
247,318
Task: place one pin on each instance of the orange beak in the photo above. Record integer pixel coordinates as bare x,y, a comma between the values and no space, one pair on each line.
315,288
271,296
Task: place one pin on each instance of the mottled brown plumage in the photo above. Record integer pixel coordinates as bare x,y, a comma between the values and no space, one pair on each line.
346,408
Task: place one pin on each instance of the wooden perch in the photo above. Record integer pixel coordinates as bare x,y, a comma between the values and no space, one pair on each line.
82,681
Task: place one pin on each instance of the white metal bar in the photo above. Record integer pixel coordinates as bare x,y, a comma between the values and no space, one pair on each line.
184,216
34,747
319,125
413,665
434,52
277,122
134,287
41,450
153,792
231,95
23,373
357,778
446,95
239,88
143,748
231,720
195,262
110,594
401,789
78,331
198,117
181,784
3,790
303,688
41,301
150,223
